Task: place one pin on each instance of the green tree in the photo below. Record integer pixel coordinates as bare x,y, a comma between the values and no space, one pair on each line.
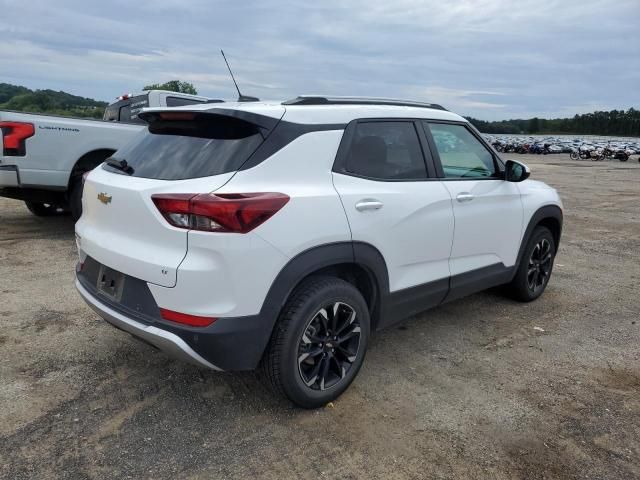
173,86
22,99
534,125
8,91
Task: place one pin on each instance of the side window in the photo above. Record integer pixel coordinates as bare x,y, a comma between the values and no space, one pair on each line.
179,101
386,151
461,154
110,114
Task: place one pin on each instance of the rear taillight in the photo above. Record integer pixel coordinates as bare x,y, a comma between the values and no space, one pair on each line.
186,319
222,212
13,136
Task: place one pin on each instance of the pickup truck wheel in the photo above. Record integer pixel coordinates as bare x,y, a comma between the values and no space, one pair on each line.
319,342
43,209
75,199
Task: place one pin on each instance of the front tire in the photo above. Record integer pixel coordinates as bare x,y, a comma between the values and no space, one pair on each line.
534,271
319,342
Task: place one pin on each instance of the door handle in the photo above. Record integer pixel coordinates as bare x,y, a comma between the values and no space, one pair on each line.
465,197
368,204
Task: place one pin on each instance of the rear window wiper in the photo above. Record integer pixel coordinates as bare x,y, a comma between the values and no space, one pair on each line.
121,165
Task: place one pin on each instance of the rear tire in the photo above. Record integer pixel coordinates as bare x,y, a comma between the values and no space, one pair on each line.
75,199
533,274
76,183
574,156
319,342
42,209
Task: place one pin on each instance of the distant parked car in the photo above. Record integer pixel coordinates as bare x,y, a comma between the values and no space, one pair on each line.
555,149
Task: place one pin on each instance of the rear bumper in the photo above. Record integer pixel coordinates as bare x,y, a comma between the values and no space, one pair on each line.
12,186
162,339
9,176
230,343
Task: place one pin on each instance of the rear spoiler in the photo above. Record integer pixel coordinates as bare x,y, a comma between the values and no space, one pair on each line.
175,117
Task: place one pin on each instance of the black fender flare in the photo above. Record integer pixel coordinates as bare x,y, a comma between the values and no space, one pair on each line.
304,264
316,258
553,212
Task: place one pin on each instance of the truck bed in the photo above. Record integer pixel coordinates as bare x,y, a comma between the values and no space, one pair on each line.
57,144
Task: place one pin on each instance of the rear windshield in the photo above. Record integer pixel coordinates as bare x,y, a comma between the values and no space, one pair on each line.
127,110
176,150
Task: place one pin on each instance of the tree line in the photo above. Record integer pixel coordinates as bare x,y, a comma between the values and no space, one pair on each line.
15,97
615,122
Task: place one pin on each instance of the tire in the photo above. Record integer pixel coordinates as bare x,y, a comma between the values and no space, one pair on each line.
42,209
76,184
574,156
624,157
533,274
303,362
75,199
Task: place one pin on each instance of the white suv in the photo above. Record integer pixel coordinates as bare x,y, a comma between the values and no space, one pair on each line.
283,234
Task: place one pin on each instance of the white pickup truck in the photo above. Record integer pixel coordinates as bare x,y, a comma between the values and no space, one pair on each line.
43,157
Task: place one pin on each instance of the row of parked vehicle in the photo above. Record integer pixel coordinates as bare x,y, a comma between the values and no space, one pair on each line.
576,148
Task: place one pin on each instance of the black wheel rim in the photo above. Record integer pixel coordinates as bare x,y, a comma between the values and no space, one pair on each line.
540,263
329,346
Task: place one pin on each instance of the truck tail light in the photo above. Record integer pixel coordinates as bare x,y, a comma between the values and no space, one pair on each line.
186,319
13,136
222,212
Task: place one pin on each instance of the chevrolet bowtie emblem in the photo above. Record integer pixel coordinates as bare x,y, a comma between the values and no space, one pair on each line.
104,198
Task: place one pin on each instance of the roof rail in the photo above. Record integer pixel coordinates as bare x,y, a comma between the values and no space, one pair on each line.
321,100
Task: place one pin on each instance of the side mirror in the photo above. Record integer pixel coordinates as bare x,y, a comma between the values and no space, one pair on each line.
516,171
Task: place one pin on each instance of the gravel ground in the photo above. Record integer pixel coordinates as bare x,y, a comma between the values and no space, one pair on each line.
480,388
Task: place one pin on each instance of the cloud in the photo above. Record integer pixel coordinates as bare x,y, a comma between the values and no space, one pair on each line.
486,58
460,100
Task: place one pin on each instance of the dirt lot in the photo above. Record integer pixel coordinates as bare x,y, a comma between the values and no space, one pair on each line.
468,390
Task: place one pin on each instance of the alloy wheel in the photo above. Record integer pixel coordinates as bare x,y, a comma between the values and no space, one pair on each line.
540,263
329,346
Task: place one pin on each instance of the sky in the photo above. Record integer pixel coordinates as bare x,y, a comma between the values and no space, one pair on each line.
490,59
